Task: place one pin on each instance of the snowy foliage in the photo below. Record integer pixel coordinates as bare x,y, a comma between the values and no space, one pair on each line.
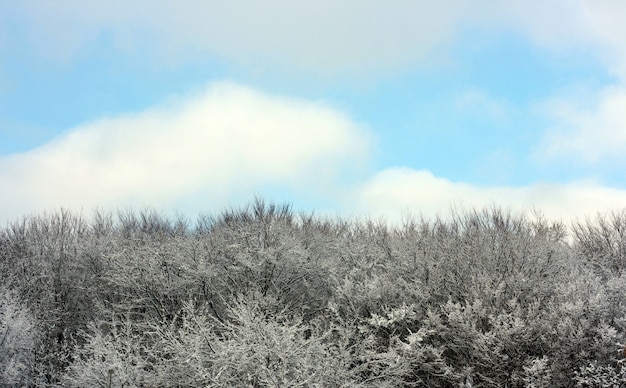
17,340
262,297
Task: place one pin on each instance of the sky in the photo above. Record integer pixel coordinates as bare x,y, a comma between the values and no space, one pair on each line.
356,108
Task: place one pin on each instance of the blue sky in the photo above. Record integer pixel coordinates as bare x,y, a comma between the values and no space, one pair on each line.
364,108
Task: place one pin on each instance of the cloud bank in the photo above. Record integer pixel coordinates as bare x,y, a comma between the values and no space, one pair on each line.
323,35
396,193
226,141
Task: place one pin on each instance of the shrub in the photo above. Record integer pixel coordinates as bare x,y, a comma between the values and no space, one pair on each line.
17,341
255,347
596,375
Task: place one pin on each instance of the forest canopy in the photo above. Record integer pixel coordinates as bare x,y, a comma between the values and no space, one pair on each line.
263,296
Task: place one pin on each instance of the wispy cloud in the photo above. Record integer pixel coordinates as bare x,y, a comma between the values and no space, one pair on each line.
589,130
479,102
223,142
594,26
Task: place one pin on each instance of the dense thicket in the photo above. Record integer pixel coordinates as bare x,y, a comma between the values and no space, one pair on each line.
263,297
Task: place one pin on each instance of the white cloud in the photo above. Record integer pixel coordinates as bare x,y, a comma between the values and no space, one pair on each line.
226,141
589,130
325,35
200,152
212,144
396,192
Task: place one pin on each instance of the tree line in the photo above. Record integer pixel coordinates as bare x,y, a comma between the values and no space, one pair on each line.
263,296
